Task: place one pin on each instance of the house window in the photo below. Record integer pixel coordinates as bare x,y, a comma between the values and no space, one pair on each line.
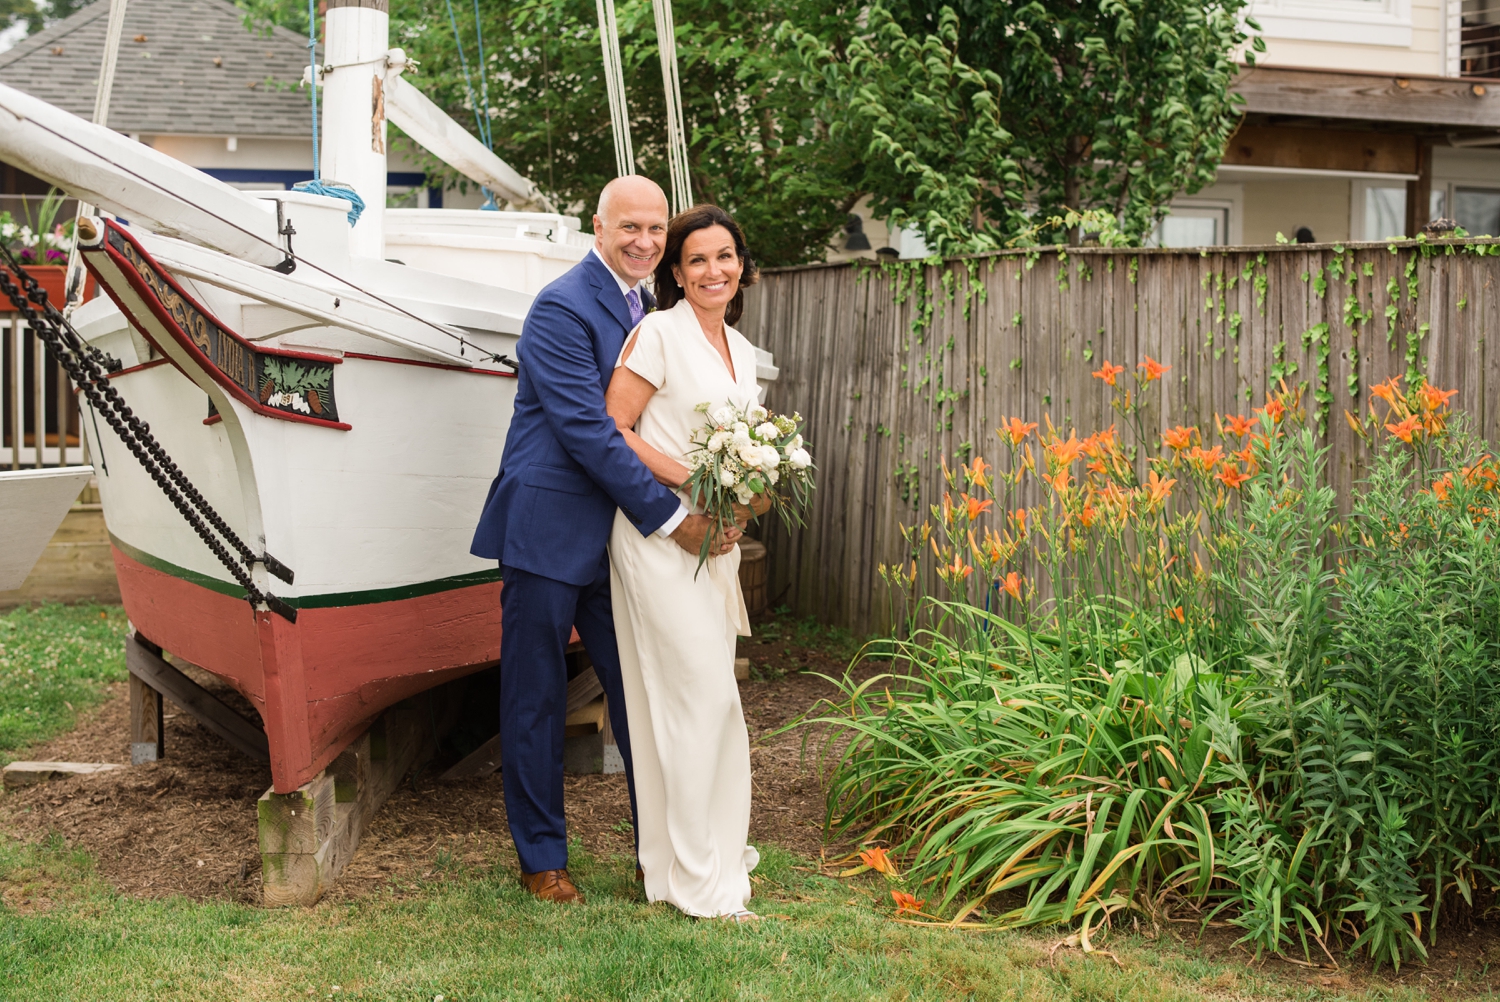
1366,22
1385,212
1479,39
1192,226
1477,210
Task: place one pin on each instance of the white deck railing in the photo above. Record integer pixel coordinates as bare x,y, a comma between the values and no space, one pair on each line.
40,423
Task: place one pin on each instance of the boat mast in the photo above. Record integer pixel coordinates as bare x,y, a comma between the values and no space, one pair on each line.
356,38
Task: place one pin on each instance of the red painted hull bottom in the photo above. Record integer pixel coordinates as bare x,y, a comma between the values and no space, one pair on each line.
319,682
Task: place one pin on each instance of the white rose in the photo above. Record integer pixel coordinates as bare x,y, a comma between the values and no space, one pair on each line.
794,444
726,477
719,440
749,453
744,494
756,413
768,432
723,415
773,475
770,458
799,459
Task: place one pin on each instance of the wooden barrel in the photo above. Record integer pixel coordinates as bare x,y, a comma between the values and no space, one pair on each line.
753,579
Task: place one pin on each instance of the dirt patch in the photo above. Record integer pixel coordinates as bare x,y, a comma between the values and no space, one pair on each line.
186,825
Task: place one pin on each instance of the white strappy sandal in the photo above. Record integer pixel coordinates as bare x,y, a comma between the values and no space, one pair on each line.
741,917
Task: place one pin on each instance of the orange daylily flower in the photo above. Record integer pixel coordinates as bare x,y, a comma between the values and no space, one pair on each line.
976,507
1387,390
1230,476
1238,425
1178,438
1442,486
1109,372
1433,398
1066,451
1176,613
1154,369
976,474
1275,408
1097,466
877,859
1019,517
958,569
1016,429
1060,483
1088,514
1205,459
1157,488
1405,429
906,902
1012,585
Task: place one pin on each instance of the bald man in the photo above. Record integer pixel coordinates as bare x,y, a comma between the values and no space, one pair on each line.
565,470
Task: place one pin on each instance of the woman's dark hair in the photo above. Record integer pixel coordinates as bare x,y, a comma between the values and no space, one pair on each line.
701,217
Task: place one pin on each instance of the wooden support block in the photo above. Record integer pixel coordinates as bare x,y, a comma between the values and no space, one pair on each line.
742,669
588,719
482,761
307,836
613,761
298,822
26,773
351,770
583,690
146,664
146,723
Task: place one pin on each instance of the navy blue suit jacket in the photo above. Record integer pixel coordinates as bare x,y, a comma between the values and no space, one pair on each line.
566,467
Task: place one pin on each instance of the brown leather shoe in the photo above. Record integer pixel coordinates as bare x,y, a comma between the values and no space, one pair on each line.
552,885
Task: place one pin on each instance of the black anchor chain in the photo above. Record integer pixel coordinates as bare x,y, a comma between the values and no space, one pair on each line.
89,369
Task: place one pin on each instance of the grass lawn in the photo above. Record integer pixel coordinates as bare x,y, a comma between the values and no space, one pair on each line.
467,931
477,935
54,661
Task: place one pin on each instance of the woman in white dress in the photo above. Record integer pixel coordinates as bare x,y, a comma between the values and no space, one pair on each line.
676,626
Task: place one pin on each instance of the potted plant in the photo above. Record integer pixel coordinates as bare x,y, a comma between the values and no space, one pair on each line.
42,246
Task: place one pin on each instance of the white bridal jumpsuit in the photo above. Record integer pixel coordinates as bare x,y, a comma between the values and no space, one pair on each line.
677,643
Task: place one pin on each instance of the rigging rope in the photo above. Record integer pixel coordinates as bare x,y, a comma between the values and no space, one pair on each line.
463,62
614,83
312,62
677,161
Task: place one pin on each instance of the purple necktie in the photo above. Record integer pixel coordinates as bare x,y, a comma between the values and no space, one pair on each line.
637,313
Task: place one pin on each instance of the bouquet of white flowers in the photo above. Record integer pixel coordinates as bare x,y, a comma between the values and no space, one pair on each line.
741,454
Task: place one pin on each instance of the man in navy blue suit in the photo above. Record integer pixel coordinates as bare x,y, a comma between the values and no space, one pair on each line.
565,470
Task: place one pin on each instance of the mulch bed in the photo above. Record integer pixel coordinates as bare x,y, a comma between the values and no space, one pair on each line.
187,825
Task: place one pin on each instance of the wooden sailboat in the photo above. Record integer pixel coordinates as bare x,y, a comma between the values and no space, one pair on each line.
341,411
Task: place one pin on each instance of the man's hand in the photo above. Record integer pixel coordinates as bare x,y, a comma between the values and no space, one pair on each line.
759,504
689,535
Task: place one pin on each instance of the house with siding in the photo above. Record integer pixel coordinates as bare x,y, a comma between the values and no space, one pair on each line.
194,82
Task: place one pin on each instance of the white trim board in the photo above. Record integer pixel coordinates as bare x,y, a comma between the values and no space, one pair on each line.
1362,22
1244,172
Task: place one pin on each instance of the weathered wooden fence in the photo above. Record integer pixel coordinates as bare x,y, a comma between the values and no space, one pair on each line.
896,367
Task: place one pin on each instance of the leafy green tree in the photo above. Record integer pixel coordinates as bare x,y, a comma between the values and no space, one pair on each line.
752,145
924,127
753,138
1113,104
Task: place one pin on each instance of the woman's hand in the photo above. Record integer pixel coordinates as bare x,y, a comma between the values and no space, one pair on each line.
759,505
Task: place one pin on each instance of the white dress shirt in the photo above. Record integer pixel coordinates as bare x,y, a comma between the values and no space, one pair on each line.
670,525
